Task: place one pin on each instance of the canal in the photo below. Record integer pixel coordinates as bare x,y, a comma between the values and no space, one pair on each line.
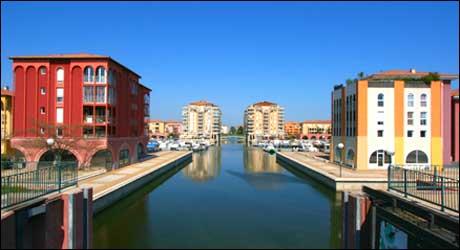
229,197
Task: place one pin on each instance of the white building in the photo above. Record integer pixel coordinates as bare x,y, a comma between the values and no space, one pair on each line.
202,120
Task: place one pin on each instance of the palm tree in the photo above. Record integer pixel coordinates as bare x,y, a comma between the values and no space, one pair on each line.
361,75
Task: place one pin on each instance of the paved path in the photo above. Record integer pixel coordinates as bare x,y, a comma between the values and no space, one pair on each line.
333,170
109,181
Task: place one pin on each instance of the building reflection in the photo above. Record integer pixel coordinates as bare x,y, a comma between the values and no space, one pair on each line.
257,161
205,166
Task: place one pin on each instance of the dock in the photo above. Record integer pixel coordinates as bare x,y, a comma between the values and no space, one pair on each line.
112,186
329,173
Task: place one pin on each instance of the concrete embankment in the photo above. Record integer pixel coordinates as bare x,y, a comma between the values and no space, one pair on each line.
329,174
115,185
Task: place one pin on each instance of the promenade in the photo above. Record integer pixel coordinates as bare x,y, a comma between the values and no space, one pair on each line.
329,173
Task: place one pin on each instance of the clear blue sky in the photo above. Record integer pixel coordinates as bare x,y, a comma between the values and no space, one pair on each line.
238,53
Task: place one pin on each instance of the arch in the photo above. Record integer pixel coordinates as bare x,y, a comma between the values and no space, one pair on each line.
312,137
60,74
304,137
380,100
101,74
42,68
49,157
124,157
410,100
374,158
102,159
351,155
88,74
417,156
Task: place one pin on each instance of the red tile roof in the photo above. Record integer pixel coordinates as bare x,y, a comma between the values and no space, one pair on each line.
202,103
264,103
317,121
7,92
454,92
395,74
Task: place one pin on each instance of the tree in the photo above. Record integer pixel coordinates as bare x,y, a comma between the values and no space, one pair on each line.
360,75
232,130
240,130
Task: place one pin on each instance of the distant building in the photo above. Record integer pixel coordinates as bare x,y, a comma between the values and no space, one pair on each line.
201,120
7,121
293,129
455,126
173,127
393,111
225,129
316,129
264,120
156,129
91,99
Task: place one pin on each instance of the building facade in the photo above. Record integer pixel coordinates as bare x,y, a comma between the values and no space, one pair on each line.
7,120
455,127
225,130
202,120
393,116
316,129
173,128
92,105
263,120
293,129
156,129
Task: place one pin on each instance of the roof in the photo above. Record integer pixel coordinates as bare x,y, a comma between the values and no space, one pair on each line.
7,92
71,56
172,121
317,121
202,103
264,103
155,121
454,92
399,74
288,123
142,85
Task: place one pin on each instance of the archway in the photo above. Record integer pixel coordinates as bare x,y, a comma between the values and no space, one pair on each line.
123,157
140,151
380,157
351,157
102,159
305,137
417,157
50,157
313,137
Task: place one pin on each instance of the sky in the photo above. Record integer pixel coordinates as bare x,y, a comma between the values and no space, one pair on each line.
234,54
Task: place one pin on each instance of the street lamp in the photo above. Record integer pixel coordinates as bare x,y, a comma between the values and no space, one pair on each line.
340,146
391,153
50,141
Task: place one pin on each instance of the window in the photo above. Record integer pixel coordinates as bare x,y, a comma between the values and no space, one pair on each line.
380,123
88,95
379,133
59,115
42,131
43,90
410,133
422,118
42,71
59,95
410,118
417,156
89,74
59,132
380,100
42,110
100,75
423,133
423,100
380,117
410,100
100,94
60,75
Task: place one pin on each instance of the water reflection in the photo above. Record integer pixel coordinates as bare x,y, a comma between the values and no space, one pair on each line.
257,161
205,166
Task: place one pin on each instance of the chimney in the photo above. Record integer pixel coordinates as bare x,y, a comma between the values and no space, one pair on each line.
413,71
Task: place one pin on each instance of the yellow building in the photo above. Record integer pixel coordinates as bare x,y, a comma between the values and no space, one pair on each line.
156,128
7,120
263,120
316,129
201,120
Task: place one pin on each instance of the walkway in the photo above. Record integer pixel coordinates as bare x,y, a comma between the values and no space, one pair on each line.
110,181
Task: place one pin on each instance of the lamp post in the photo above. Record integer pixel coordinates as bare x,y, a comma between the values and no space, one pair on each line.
391,153
50,142
340,147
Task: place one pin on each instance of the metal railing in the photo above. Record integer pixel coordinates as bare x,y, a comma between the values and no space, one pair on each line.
432,184
32,180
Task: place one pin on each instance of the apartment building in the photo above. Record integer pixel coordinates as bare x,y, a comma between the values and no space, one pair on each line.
293,129
202,120
156,129
91,103
6,120
263,120
394,116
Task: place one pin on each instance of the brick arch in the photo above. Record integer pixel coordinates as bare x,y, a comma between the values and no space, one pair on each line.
80,157
28,154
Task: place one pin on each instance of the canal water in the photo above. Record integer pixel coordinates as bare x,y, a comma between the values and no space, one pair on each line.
230,196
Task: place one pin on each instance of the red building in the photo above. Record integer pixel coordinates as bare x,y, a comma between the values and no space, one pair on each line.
92,105
455,126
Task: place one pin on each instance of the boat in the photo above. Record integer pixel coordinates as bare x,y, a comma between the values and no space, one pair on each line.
270,149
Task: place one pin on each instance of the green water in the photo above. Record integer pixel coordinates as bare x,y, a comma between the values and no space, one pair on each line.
228,197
